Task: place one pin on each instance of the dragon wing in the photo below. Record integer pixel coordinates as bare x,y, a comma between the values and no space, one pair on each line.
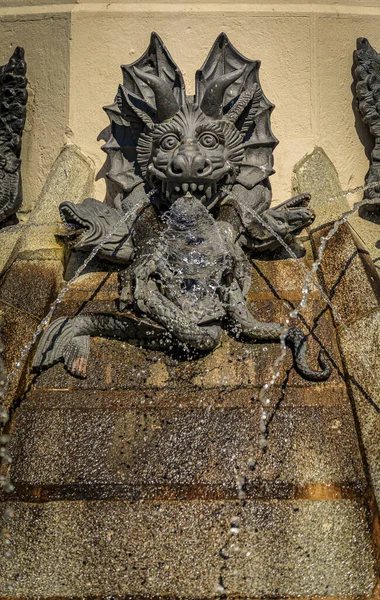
13,99
245,104
367,75
136,108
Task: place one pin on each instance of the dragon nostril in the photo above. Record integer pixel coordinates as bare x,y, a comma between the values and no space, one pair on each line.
177,170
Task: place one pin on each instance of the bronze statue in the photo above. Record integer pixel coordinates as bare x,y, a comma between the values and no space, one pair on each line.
190,175
367,76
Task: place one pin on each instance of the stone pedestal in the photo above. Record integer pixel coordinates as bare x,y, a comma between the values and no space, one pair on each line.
127,482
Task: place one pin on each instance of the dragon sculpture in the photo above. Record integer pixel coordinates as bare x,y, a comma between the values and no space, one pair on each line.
367,76
13,98
190,175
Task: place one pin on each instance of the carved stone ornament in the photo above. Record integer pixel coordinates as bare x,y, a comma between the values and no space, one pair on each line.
189,172
367,76
13,98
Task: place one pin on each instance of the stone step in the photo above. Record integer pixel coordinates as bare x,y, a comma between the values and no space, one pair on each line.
104,446
173,550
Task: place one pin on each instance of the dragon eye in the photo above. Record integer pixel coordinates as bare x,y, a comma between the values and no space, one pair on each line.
169,142
208,140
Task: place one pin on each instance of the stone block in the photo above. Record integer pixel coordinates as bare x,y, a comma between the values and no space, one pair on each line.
172,549
31,285
368,232
316,174
351,280
101,449
280,278
17,331
92,292
360,347
71,178
9,247
26,291
189,398
40,242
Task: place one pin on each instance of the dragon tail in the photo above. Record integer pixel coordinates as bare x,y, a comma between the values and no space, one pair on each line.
296,340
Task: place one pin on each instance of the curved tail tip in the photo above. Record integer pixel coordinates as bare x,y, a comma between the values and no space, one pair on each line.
325,366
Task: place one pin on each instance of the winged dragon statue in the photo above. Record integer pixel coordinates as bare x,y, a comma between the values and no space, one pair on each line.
13,99
190,175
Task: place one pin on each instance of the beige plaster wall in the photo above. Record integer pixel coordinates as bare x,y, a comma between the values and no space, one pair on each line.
45,37
74,52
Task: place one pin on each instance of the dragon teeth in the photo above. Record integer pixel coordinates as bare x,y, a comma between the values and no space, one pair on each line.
193,187
208,192
201,187
185,187
177,188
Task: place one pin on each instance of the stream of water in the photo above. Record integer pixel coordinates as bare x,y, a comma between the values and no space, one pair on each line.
5,459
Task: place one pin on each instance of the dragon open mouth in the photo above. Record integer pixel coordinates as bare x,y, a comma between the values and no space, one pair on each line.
76,228
205,192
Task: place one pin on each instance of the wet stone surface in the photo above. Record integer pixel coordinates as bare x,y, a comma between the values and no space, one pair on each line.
142,460
349,274
364,383
102,448
76,549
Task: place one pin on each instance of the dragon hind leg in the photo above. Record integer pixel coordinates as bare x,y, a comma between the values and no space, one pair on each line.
68,340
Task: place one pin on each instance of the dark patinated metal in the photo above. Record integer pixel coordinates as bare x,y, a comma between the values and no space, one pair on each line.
13,98
207,160
367,76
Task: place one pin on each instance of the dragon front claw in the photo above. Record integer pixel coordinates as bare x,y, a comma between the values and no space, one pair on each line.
59,343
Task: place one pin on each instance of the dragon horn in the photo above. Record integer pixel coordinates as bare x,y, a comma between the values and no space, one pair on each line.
212,101
166,104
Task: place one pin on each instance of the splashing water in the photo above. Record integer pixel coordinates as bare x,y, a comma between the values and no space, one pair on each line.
310,280
234,530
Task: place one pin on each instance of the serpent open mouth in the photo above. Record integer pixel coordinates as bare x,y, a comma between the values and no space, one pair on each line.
77,230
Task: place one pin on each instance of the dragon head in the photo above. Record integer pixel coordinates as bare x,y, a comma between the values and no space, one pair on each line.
190,152
179,143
